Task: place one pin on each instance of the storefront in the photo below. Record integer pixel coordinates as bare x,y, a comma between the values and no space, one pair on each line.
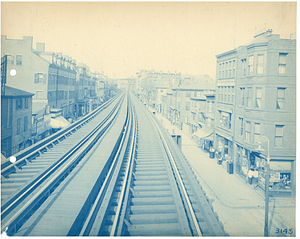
245,160
281,182
224,148
204,138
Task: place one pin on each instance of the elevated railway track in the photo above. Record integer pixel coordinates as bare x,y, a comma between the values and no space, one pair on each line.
123,175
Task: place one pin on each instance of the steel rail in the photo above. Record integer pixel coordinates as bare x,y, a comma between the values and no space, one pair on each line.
108,177
31,151
127,172
178,176
88,140
19,197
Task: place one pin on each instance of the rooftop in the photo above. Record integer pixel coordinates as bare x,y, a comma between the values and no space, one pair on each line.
13,92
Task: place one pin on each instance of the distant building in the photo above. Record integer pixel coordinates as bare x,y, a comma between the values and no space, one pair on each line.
188,105
16,111
41,124
202,118
84,90
256,96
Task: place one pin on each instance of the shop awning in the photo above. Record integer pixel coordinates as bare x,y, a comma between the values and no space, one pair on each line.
204,133
209,138
59,122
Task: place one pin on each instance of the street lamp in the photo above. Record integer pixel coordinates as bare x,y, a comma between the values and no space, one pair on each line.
266,228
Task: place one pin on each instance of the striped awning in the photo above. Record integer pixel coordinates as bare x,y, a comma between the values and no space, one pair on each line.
204,133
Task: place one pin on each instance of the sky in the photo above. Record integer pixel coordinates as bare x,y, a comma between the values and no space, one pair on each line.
121,38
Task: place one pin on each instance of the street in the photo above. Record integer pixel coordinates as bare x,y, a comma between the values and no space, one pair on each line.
239,205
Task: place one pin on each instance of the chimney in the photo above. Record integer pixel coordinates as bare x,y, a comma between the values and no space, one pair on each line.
40,47
269,31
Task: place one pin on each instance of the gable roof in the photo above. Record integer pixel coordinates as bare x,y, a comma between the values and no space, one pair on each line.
14,92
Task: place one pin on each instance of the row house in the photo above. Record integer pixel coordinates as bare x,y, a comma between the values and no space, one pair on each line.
256,96
161,93
203,118
55,80
83,90
225,104
16,113
61,84
189,105
47,75
101,88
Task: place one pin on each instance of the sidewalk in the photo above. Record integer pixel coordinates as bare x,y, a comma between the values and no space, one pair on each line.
239,205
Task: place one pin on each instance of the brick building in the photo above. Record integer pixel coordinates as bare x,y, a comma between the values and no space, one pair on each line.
16,111
256,96
49,76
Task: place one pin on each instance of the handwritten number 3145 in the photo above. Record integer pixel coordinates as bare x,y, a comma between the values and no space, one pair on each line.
290,231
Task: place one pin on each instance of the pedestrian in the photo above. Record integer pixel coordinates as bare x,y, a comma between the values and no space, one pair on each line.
250,174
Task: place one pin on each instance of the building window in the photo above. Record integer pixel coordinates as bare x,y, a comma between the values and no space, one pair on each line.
230,69
280,99
19,126
247,131
222,93
225,93
260,64
19,60
256,132
244,67
279,135
258,97
193,116
223,66
233,67
232,94
241,126
39,78
39,94
249,97
188,94
250,65
26,102
19,104
11,59
242,96
226,75
282,63
25,123
187,105
209,106
225,120
220,70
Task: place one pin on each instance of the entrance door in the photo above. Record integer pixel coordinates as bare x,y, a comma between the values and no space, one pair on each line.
238,163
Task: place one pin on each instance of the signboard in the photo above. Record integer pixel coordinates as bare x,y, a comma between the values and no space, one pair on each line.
274,177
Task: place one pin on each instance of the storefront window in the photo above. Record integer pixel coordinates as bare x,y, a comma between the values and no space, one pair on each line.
280,175
225,120
245,161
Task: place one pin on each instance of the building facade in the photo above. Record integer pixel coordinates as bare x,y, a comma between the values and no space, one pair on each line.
16,116
49,76
263,104
225,104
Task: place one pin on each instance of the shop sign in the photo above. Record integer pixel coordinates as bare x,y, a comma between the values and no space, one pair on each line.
274,177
